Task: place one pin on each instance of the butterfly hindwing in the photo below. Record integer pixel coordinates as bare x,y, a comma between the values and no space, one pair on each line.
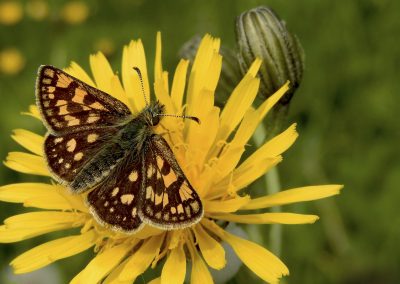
115,201
67,154
68,104
169,200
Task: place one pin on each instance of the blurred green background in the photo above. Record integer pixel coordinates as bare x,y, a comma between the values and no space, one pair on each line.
346,109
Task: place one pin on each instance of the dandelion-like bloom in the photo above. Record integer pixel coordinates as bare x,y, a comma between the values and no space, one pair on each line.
209,153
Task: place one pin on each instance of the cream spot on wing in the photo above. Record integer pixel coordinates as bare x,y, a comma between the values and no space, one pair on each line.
46,103
60,160
63,81
150,171
112,209
92,119
149,192
174,218
160,162
106,204
79,96
134,212
133,176
115,192
63,110
180,208
127,198
61,102
51,96
50,89
165,200
71,145
187,211
158,199
46,81
49,112
92,137
78,156
173,210
67,165
97,105
58,140
158,215
170,178
49,72
195,206
166,216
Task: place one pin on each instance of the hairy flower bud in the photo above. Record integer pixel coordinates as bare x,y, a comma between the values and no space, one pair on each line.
260,33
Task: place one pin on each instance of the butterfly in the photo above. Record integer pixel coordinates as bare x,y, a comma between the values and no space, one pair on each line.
95,144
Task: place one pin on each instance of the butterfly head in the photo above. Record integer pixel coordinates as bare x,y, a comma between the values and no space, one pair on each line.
153,112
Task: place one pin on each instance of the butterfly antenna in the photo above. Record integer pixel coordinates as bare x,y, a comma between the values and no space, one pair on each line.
141,83
182,116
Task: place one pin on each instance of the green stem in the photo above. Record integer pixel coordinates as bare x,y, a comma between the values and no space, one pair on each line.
272,184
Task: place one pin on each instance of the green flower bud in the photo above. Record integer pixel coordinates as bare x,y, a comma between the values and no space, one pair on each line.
260,33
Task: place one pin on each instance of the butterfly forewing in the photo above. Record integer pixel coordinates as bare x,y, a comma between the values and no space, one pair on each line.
169,200
68,104
115,201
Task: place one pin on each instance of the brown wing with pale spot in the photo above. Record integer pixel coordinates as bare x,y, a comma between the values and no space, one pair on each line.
68,104
115,201
169,200
67,154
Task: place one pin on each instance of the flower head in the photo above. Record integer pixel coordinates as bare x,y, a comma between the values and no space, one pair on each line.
210,155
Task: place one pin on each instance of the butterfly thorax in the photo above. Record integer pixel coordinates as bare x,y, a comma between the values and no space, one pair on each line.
126,144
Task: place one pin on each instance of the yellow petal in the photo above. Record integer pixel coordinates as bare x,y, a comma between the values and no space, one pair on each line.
275,146
147,232
212,251
239,102
141,259
43,219
258,259
16,234
102,264
160,76
41,195
202,82
294,195
225,206
268,218
174,269
102,72
29,140
26,163
52,251
200,273
118,91
178,84
134,56
33,111
242,177
77,71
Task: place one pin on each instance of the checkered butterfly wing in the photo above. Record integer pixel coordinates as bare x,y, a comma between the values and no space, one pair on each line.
115,201
81,120
68,104
169,200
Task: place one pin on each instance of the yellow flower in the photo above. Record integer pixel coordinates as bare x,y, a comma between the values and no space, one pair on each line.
75,12
208,153
11,61
10,12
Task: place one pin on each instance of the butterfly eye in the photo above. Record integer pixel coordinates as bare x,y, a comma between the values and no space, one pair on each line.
155,119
